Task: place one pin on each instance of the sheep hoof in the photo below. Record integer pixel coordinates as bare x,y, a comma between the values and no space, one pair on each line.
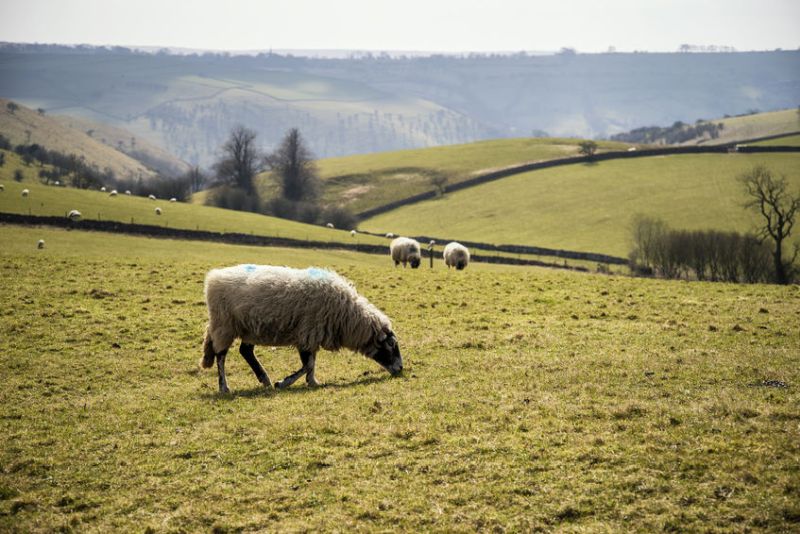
280,385
313,383
224,391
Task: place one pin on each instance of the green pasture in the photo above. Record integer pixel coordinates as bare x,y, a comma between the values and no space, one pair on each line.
56,201
532,400
589,207
757,125
789,140
366,181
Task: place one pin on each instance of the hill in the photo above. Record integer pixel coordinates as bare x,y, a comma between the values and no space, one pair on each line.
588,207
531,400
26,126
188,104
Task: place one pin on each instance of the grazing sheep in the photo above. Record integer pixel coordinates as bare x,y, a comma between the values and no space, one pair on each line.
113,193
353,233
405,250
25,192
329,225
56,183
173,199
2,187
74,215
151,197
390,235
103,189
127,192
158,211
40,244
456,255
305,308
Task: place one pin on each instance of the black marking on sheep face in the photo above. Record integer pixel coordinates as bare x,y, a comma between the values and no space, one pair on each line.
388,355
414,263
460,265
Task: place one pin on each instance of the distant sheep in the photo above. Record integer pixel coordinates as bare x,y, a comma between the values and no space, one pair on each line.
173,199
113,193
2,187
103,189
353,233
40,244
456,255
329,225
308,309
158,211
25,192
390,235
405,250
127,192
74,215
151,197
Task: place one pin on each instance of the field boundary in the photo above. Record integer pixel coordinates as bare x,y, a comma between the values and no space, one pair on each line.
233,238
604,156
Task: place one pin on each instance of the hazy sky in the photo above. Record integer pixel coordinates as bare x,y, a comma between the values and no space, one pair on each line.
427,25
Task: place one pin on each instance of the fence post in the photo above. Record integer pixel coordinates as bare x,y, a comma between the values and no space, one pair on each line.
430,250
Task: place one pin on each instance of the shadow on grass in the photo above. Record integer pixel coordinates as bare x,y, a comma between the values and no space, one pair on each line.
295,389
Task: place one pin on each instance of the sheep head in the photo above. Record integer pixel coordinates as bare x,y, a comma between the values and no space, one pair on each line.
387,353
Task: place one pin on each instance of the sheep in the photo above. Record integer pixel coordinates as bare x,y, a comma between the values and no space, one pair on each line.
113,193
158,211
103,189
456,255
74,215
329,225
151,197
40,244
389,235
353,233
127,192
25,192
308,309
2,187
405,250
173,199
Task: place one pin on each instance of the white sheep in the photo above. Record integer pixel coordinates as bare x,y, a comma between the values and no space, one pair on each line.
456,255
405,250
151,197
25,192
40,244
74,215
305,308
103,189
389,235
173,199
2,187
127,192
353,233
329,225
158,211
113,193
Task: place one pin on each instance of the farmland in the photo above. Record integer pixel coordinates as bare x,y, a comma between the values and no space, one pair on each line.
588,207
532,399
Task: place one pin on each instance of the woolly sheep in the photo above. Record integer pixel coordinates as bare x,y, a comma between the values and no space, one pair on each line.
390,235
113,193
158,211
353,233
405,250
127,192
74,215
40,244
151,197
329,225
103,189
308,309
173,199
456,255
25,192
2,187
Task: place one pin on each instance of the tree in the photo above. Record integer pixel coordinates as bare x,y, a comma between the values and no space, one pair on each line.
12,107
439,181
2,158
196,179
588,148
295,169
778,208
241,160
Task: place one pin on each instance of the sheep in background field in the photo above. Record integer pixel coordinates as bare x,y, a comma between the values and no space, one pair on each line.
74,215
113,193
405,250
25,192
456,255
127,192
353,233
40,244
390,235
173,199
158,211
329,225
103,189
2,187
305,308
151,197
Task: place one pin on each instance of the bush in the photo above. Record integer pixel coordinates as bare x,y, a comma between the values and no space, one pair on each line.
233,198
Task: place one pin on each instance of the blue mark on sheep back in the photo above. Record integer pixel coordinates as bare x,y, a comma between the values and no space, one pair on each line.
318,274
249,267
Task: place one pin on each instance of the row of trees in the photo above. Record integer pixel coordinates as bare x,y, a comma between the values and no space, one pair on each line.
726,256
294,169
675,134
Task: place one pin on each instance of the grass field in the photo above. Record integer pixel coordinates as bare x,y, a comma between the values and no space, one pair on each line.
531,400
589,207
56,201
789,140
370,180
757,125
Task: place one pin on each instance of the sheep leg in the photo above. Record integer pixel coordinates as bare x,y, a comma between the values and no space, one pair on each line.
309,360
246,350
223,384
305,357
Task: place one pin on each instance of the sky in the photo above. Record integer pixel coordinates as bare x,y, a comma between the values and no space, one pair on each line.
407,25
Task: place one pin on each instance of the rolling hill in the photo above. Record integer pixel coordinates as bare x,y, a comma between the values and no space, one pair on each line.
588,207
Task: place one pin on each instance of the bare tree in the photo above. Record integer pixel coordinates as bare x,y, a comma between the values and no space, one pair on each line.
294,166
769,196
241,160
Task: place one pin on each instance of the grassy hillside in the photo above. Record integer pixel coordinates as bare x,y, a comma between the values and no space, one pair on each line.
532,400
588,207
789,140
50,200
758,125
25,126
366,181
